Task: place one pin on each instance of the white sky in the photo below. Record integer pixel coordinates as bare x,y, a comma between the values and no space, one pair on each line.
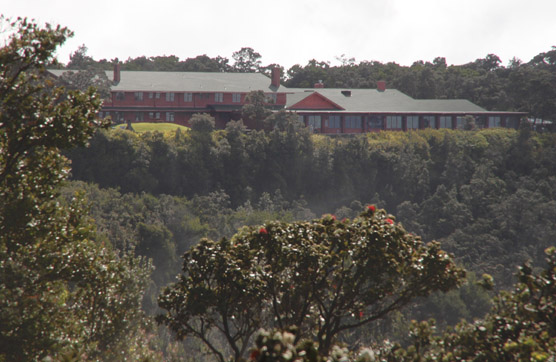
291,32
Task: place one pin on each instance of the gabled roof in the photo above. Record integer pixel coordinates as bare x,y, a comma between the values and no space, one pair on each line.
315,100
189,81
388,101
358,100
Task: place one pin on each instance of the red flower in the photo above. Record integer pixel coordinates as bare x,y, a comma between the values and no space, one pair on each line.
390,221
371,208
333,217
360,314
263,231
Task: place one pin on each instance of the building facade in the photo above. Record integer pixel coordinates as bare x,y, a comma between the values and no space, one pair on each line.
141,96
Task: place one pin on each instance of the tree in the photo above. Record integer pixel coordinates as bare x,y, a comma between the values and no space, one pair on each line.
284,121
203,63
324,277
246,60
202,123
79,59
521,326
83,79
60,291
254,111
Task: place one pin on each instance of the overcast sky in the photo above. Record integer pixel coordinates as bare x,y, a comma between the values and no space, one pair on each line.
291,32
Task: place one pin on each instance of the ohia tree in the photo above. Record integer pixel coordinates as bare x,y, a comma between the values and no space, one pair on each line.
323,276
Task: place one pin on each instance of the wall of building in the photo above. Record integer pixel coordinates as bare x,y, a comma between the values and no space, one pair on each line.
399,122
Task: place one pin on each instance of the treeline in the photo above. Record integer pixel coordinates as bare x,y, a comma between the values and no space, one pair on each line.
489,196
520,86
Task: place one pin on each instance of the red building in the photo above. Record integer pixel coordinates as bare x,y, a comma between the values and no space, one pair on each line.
139,96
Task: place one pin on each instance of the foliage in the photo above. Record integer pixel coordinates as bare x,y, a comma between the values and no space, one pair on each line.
324,277
279,346
83,79
86,72
284,121
246,60
202,123
61,292
521,327
254,111
488,196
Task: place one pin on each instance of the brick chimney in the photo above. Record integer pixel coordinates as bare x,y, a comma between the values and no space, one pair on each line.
275,77
117,72
381,86
320,84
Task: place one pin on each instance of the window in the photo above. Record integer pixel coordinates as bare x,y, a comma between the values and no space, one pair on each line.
314,122
151,95
512,122
393,122
353,121
374,122
120,96
154,115
429,121
157,95
271,98
170,116
219,97
188,97
493,121
236,97
445,122
138,96
460,122
334,122
169,97
300,118
412,122
138,116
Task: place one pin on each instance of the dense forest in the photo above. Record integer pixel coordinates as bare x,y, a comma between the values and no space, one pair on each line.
488,196
181,246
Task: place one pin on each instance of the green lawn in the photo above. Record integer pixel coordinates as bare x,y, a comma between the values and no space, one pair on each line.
151,127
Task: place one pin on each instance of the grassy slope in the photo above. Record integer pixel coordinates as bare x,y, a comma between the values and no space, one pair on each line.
151,127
